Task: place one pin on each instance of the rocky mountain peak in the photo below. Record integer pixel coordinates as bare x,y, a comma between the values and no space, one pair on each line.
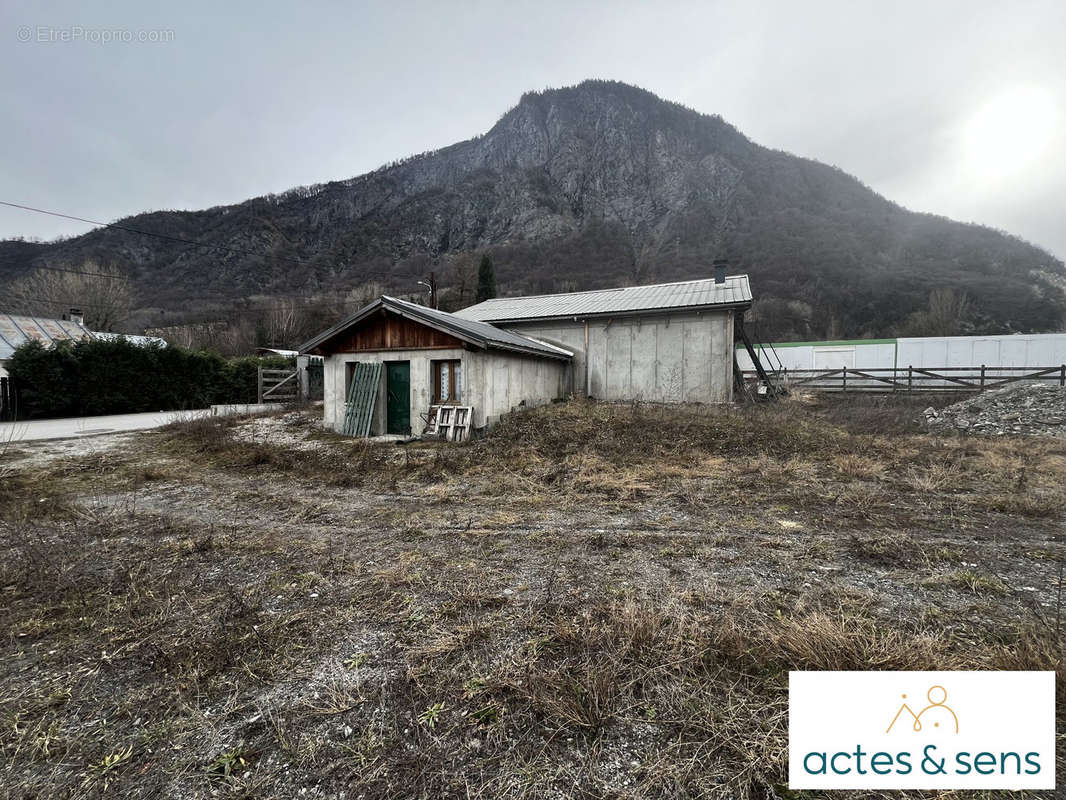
594,185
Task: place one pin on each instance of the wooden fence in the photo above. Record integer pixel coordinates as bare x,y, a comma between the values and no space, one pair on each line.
913,379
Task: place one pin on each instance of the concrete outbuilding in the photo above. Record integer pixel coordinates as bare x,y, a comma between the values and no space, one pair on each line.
431,357
667,343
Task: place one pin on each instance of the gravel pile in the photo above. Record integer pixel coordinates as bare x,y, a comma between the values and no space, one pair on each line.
1034,409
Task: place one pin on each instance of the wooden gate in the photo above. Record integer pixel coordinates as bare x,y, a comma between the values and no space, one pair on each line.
8,399
362,397
278,386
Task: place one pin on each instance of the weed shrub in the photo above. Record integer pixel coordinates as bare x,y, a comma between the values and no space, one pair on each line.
628,433
92,377
210,440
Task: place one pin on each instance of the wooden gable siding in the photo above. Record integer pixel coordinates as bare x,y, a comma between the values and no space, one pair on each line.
385,331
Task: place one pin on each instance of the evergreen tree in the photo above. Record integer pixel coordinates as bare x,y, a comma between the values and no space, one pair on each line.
486,279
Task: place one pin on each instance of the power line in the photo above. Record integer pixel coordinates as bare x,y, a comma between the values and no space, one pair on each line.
177,239
126,277
167,237
252,308
114,277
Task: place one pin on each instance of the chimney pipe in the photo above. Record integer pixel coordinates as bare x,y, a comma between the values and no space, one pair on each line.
720,265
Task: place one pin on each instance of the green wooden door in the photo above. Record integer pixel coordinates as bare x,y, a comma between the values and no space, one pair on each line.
398,405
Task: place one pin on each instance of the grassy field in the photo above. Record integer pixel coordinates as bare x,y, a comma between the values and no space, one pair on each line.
593,601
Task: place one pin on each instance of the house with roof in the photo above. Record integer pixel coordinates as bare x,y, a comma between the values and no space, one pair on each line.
668,343
16,330
431,358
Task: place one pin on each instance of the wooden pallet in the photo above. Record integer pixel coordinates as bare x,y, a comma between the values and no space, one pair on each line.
431,421
451,423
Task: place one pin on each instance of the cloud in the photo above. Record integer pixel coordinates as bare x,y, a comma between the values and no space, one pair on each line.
254,98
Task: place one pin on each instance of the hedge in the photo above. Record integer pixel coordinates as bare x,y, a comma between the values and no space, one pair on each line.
91,377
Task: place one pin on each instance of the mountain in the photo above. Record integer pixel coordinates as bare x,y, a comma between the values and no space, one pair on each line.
596,185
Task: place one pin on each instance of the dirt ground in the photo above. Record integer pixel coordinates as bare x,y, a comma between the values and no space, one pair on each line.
592,601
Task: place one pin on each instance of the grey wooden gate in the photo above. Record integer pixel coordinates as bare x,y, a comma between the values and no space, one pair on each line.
362,397
278,386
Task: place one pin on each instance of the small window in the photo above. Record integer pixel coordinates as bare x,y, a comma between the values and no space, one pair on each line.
447,382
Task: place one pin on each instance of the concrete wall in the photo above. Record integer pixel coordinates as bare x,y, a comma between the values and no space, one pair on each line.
873,354
501,382
672,358
1017,350
493,382
930,352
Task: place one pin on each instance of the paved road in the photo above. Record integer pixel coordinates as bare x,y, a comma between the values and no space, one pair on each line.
79,427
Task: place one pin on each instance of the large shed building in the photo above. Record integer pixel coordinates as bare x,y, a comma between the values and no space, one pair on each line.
664,343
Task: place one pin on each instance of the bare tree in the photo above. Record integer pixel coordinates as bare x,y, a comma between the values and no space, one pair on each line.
949,310
283,322
101,293
286,322
362,295
237,338
460,281
190,335
947,314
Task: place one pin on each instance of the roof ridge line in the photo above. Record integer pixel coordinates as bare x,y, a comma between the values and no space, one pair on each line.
478,332
614,289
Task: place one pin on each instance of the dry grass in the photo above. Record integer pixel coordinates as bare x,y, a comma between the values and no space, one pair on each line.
627,452
598,601
876,413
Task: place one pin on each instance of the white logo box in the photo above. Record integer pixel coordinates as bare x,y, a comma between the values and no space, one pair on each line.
1010,716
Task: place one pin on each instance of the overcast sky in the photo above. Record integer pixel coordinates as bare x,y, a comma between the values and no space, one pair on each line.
957,108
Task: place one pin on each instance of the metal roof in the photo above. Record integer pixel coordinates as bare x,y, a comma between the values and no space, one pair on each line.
699,294
17,330
479,334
